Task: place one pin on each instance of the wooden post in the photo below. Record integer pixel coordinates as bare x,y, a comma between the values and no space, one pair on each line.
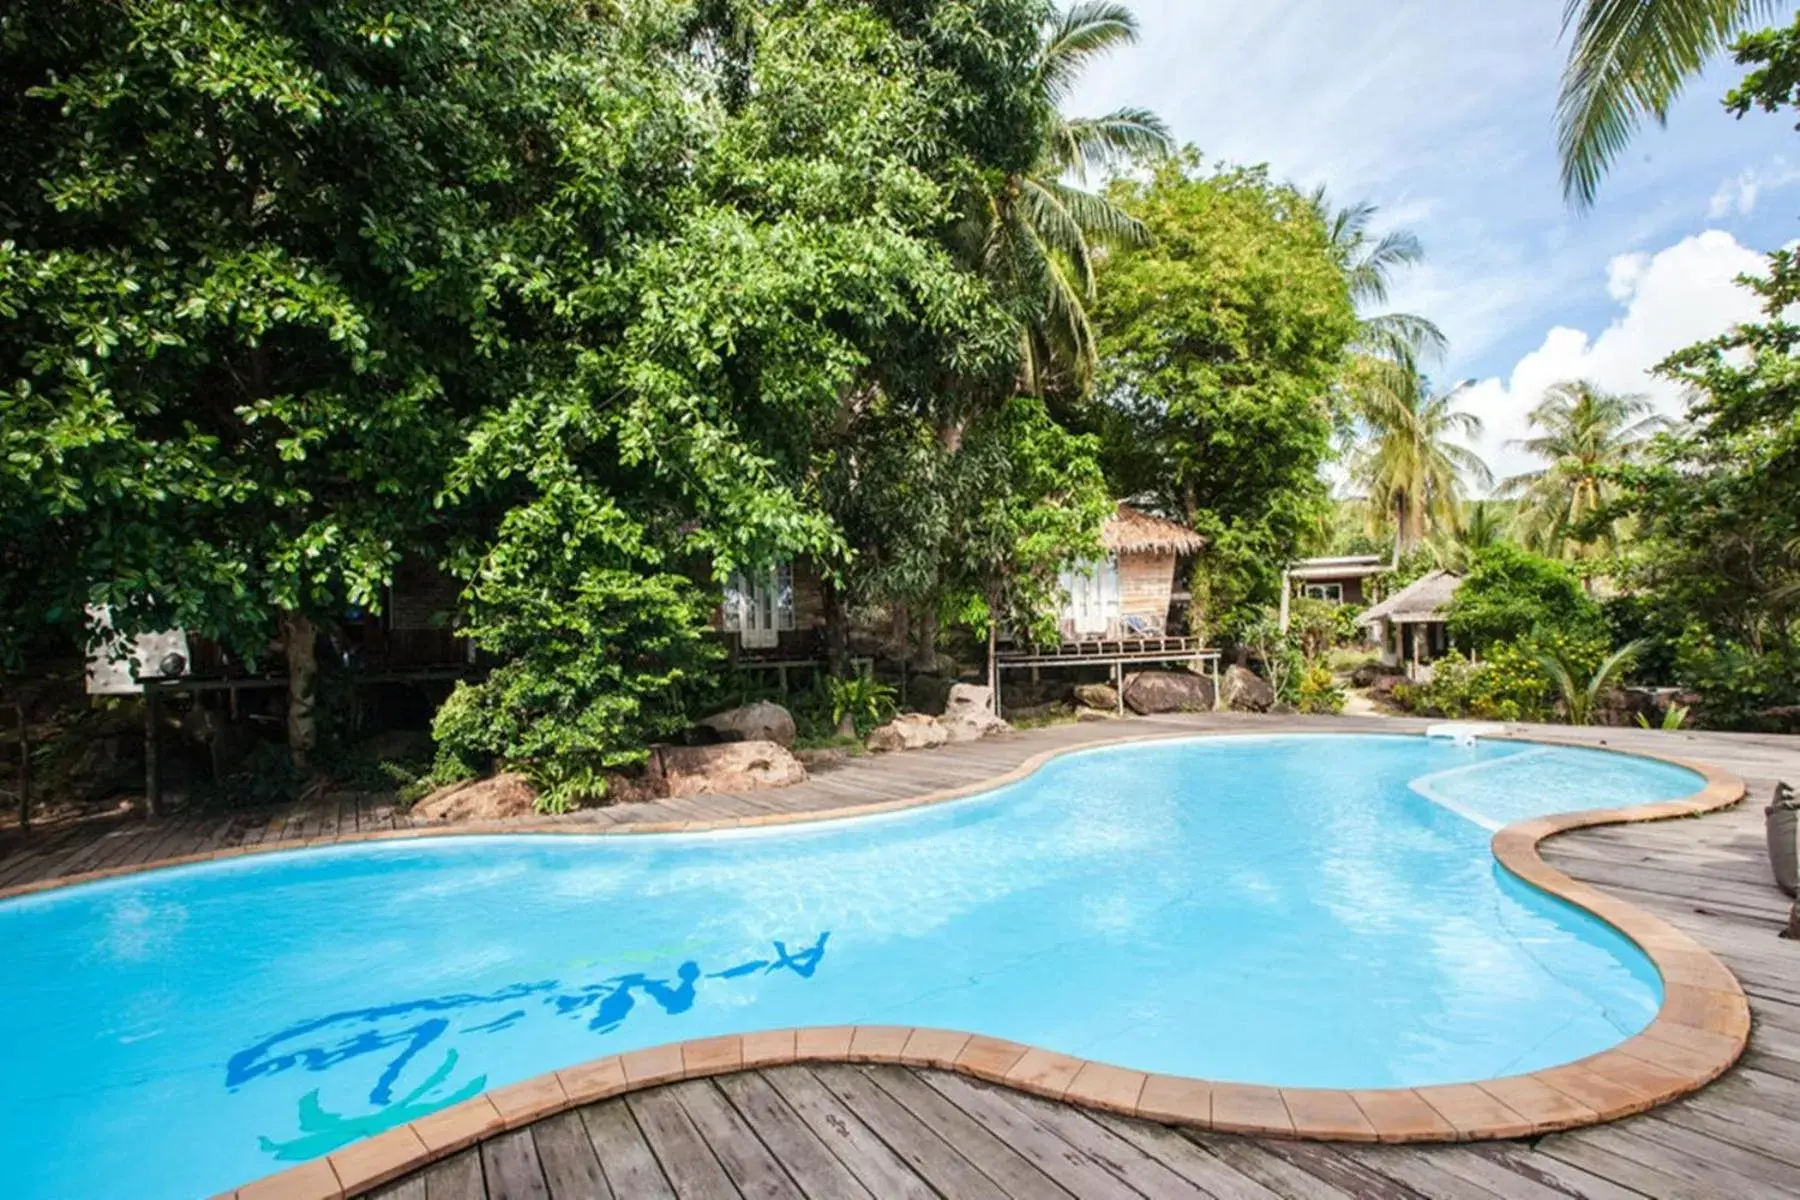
1218,691
1119,686
152,777
24,773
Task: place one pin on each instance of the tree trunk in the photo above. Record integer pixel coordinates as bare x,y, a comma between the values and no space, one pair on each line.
837,629
297,635
993,651
925,630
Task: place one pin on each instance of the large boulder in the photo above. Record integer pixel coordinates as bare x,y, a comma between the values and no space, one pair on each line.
725,769
1101,696
967,698
1168,691
908,731
500,798
1246,691
763,721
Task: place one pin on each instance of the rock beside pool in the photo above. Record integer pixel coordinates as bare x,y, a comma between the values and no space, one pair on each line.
908,731
1168,691
724,769
763,721
1246,691
1097,696
500,798
969,714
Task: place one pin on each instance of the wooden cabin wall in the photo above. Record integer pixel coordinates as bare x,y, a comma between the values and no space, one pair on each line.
1146,581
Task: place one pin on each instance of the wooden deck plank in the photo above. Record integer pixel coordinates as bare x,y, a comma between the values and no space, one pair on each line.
456,1178
1036,1144
566,1155
930,1157
687,1163
968,1136
1188,1159
818,1172
753,1170
1125,1162
874,1165
1261,1164
510,1163
630,1167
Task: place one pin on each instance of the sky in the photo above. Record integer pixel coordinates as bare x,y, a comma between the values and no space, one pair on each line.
1441,112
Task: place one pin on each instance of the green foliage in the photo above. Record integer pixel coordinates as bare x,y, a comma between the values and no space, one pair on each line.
1318,691
260,264
1718,506
1414,565
1413,466
594,644
1735,683
1315,626
1580,691
1219,342
1283,665
1511,593
1029,501
1507,685
862,699
1674,717
1582,434
1628,61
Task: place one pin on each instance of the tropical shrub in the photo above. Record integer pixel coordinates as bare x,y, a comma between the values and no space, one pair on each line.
863,700
1511,593
1318,691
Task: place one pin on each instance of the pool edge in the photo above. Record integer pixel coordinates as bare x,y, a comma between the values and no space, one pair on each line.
1699,1032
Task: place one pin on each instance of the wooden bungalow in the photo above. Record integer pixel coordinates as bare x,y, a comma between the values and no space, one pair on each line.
1127,594
776,614
1409,626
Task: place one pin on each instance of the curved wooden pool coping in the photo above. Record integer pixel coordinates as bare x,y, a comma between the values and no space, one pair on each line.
1701,1029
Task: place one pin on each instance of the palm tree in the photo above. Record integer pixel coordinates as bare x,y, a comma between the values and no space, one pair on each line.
1413,471
1390,347
1041,230
1482,526
1581,699
1583,432
1630,59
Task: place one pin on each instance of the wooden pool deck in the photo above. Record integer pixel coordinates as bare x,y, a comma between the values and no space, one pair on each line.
824,1130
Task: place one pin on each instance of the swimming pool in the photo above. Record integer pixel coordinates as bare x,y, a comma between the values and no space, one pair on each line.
1306,911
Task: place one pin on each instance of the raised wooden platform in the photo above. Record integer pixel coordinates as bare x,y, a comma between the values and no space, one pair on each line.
827,1131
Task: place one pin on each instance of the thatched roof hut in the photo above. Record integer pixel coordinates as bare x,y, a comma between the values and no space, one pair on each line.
1127,595
1129,531
1423,601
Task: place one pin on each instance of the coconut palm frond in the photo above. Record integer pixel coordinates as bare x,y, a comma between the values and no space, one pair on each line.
1403,337
1374,266
1076,36
1121,137
1629,59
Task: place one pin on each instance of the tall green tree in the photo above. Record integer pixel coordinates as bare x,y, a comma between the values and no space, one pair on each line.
1414,470
1040,229
1582,433
1221,341
1631,59
262,268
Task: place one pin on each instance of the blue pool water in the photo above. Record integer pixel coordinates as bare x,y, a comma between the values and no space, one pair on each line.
1305,911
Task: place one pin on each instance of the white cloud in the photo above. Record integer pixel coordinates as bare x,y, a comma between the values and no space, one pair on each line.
1683,294
1739,194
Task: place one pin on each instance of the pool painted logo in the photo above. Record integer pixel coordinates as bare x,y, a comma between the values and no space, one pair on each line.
414,1036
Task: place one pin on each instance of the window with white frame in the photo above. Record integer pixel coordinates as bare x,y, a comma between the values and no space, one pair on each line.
1333,592
1093,595
759,605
